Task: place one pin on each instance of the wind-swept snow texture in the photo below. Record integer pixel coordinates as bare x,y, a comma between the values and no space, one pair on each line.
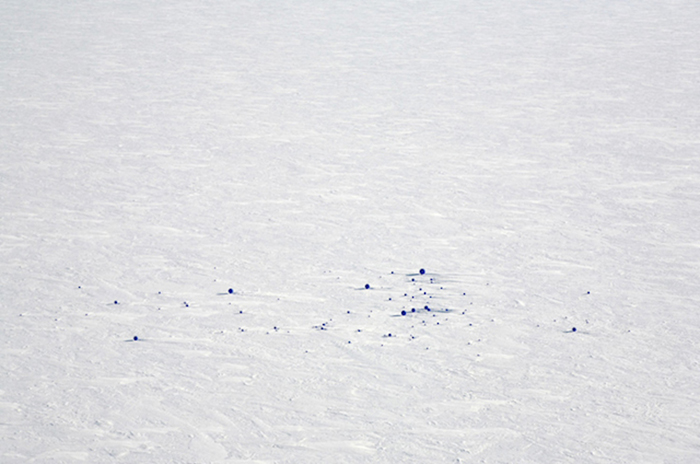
540,160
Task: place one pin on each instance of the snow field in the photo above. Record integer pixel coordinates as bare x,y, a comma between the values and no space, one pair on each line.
539,161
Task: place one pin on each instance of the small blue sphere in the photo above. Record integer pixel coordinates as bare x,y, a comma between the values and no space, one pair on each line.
116,302
136,338
230,290
573,329
422,271
366,286
403,313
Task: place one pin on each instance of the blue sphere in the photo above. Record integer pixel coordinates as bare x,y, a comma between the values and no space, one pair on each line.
366,286
573,329
136,338
422,271
116,302
230,290
403,313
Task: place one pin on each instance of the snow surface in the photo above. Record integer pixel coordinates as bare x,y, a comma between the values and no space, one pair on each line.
541,160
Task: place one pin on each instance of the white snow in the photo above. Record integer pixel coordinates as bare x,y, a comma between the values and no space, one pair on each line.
541,160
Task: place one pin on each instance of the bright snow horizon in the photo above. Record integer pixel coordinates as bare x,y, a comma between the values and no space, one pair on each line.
539,160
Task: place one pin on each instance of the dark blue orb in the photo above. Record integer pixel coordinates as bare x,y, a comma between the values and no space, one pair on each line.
422,271
573,329
366,286
403,313
230,290
116,302
136,338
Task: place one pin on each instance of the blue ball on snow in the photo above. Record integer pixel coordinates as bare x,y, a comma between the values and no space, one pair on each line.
136,338
230,290
366,286
422,271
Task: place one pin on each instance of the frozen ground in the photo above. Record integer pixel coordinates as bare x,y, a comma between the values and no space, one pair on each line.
541,160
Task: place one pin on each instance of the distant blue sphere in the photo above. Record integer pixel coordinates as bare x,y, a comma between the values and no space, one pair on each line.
573,329
422,271
403,313
366,286
136,338
116,302
230,290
